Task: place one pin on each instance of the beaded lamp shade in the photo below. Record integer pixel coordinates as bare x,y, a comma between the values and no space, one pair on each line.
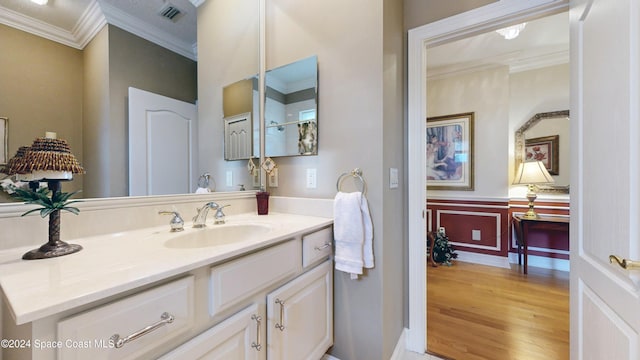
45,159
10,166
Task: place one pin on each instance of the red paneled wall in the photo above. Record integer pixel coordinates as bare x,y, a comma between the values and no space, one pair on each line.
484,226
550,243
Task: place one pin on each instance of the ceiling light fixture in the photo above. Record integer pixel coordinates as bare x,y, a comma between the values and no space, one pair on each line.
40,2
511,32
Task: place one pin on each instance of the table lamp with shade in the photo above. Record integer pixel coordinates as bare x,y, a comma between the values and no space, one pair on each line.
48,160
531,173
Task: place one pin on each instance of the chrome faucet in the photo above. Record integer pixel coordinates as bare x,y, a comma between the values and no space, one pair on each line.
176,223
199,221
219,217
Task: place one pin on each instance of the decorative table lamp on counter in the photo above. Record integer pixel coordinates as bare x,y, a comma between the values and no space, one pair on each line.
531,173
49,160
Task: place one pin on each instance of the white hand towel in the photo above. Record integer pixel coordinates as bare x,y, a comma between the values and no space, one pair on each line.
201,190
353,233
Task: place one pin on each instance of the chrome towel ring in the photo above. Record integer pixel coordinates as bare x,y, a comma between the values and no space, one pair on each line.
356,173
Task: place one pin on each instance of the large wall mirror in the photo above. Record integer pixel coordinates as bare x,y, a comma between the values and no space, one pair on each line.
545,137
96,128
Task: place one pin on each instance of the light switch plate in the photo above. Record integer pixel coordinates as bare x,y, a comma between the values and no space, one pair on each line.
393,178
312,181
229,179
273,178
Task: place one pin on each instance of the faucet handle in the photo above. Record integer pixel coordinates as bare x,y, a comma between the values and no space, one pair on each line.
219,217
176,223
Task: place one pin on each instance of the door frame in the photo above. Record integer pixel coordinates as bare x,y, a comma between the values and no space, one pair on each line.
486,18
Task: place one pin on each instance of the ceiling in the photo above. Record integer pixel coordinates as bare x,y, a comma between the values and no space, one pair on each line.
75,22
543,42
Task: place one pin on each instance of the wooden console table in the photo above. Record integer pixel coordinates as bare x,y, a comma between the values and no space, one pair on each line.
524,226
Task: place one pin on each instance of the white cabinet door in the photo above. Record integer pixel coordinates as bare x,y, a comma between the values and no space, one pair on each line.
300,316
240,337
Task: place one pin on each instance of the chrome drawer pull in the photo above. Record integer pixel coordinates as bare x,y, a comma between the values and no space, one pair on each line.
119,342
280,326
256,345
320,248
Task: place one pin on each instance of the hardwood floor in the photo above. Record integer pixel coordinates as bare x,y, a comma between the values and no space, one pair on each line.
483,312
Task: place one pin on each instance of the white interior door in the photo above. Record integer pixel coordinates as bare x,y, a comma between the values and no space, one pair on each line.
162,144
605,305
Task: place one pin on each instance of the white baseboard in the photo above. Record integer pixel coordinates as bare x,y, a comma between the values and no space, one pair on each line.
401,346
329,357
504,262
400,352
483,259
542,262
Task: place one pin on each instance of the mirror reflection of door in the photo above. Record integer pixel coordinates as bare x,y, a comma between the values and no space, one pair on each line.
162,144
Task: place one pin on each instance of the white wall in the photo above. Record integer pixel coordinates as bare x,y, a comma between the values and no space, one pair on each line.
502,102
535,91
486,93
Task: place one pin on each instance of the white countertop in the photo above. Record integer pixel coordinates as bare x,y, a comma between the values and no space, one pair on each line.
114,263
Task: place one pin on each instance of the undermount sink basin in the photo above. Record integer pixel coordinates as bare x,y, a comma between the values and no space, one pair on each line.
216,235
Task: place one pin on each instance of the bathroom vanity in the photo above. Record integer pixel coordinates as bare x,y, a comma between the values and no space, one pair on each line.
257,287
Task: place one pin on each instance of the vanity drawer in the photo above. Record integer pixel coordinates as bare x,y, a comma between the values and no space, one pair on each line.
316,246
89,335
237,280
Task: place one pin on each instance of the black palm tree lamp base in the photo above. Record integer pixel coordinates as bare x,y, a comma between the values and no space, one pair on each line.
51,250
54,247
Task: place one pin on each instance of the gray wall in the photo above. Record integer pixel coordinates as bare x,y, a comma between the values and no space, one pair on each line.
421,12
228,43
361,61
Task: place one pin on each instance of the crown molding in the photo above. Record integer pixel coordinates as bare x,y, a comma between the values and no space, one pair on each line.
515,63
36,27
95,18
148,32
89,24
539,61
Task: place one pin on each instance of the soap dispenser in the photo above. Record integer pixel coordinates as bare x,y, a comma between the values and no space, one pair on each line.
262,198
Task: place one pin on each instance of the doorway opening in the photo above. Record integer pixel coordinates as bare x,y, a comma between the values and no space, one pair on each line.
484,19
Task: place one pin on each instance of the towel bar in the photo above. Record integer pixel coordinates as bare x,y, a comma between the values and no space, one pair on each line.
356,173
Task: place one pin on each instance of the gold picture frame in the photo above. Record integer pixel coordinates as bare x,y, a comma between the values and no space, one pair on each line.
4,140
544,149
450,152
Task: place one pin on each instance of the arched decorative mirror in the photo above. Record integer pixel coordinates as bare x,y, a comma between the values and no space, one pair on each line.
545,137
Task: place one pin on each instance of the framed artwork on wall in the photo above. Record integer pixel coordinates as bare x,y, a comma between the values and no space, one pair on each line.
450,152
543,149
4,140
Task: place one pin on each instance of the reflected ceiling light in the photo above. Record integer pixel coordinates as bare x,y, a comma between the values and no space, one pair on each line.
511,32
40,2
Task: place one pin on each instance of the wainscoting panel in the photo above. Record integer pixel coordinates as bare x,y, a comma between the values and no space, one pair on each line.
478,226
484,226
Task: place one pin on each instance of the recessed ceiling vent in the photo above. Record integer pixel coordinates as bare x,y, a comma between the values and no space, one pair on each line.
170,12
